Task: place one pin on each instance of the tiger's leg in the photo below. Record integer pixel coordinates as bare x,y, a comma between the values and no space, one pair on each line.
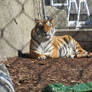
83,53
80,52
54,53
36,55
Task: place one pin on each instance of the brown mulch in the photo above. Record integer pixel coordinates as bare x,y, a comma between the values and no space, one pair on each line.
30,75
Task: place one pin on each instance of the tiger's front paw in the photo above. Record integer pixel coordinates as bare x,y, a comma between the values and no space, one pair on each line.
42,57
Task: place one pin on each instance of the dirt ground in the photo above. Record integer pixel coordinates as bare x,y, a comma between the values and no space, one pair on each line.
30,75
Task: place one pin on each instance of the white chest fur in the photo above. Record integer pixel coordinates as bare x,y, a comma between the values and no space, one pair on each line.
45,47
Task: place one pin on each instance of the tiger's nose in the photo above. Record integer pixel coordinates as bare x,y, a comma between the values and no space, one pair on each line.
45,32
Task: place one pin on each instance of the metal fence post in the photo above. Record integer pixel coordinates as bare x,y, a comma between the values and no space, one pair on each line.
43,9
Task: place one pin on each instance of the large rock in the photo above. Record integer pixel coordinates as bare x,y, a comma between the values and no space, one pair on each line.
30,9
18,33
6,50
22,1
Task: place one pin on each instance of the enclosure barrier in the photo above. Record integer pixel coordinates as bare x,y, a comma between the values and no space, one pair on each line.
58,87
73,8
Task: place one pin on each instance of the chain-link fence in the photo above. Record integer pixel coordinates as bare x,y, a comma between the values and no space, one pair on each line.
59,11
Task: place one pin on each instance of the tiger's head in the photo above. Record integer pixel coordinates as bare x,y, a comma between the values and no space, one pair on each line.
44,30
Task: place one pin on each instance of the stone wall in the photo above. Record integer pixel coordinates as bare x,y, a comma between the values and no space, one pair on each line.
16,22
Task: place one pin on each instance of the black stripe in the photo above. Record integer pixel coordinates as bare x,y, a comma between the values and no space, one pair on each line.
63,43
48,44
33,38
60,52
48,49
67,41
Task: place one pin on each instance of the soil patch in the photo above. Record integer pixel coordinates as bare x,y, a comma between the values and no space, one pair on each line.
30,75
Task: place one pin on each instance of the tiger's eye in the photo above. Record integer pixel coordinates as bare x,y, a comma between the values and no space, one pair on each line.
41,27
38,32
48,24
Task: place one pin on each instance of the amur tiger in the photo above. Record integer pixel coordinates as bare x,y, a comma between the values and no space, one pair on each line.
45,44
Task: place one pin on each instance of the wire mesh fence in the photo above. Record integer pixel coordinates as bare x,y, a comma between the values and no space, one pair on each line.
69,13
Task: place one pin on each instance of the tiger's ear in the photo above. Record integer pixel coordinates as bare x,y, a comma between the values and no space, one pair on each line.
51,20
37,21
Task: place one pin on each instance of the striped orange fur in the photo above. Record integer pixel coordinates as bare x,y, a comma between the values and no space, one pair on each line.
45,44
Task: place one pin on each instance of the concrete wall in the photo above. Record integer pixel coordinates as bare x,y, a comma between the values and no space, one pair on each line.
83,36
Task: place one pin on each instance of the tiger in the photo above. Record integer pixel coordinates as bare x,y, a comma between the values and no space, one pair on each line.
44,44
